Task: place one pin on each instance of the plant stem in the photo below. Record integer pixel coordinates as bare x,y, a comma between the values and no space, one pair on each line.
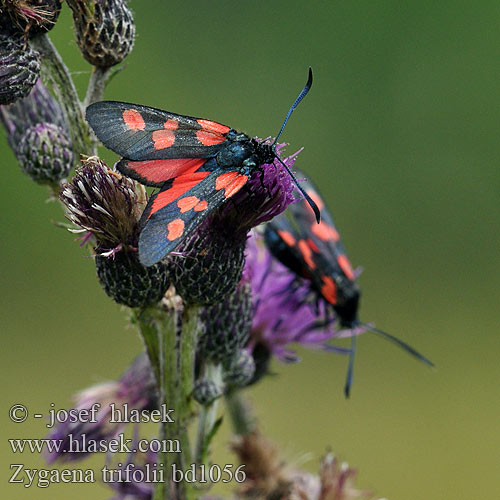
208,413
240,413
57,73
171,348
158,329
99,78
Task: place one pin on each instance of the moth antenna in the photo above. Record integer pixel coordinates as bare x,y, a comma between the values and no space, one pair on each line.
309,200
301,96
350,367
391,338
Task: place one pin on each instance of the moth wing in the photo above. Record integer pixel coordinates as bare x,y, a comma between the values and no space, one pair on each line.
142,133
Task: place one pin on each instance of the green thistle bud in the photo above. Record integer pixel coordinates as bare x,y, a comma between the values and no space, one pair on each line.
128,282
19,68
105,30
239,370
45,153
31,17
211,265
206,391
227,325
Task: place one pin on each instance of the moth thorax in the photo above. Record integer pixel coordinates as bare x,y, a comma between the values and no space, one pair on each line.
267,153
235,153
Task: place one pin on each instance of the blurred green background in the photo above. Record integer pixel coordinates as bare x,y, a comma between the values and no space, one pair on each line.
401,130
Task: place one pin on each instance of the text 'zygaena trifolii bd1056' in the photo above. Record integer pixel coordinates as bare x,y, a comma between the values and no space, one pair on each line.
198,164
315,253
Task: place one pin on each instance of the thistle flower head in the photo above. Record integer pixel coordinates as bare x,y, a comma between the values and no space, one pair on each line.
267,193
213,256
19,68
136,387
106,205
105,30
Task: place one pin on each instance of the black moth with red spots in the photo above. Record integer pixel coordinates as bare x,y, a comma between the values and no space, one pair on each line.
315,253
198,164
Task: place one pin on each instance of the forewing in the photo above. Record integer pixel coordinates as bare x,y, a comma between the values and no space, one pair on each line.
141,133
180,207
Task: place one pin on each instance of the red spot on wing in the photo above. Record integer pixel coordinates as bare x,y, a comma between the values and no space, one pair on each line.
162,170
224,179
316,198
192,202
345,265
163,139
329,290
213,126
232,182
171,124
175,229
187,203
324,231
208,138
236,185
202,205
306,252
287,238
133,119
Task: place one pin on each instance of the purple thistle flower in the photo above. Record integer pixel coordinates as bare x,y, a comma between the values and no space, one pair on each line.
136,388
267,193
283,311
104,203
